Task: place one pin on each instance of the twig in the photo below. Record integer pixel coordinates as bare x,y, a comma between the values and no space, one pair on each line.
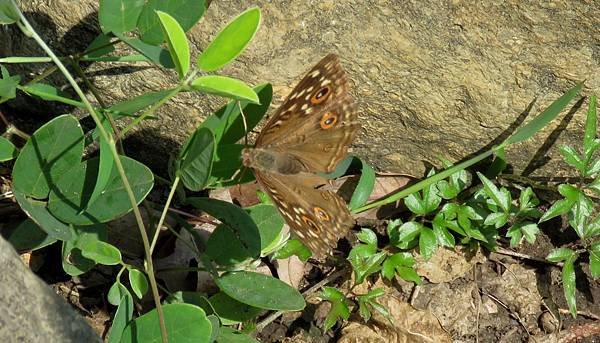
525,256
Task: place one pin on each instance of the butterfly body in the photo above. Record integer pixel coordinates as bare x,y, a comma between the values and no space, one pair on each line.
308,135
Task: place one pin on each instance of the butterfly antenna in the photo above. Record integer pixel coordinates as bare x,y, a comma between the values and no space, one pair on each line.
245,123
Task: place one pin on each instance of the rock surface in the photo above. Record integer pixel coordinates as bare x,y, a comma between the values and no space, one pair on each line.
432,79
31,311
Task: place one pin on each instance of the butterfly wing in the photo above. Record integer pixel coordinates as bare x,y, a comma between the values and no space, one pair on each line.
319,218
317,122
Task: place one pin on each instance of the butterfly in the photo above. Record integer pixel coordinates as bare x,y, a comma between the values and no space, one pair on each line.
308,135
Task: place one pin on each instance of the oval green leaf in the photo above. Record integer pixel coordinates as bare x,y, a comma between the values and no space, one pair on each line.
138,282
100,252
269,223
52,150
229,335
364,188
261,291
186,12
29,236
123,316
7,150
177,43
196,159
231,41
184,323
235,218
231,311
77,184
225,86
119,15
38,212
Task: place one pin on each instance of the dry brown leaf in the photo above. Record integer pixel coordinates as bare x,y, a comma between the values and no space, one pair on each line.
517,289
447,264
290,270
408,325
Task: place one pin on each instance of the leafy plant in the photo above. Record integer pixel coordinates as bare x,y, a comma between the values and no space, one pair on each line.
577,205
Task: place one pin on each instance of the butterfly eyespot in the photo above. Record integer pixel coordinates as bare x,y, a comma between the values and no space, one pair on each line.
320,95
311,224
328,120
321,214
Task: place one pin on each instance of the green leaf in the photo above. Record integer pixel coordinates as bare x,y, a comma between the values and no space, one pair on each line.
38,212
119,15
28,236
261,291
50,93
415,204
100,252
8,84
595,185
367,236
560,207
155,54
131,106
117,292
196,158
74,263
401,263
589,138
515,235
177,43
568,279
527,199
572,158
225,86
229,335
444,238
231,311
231,41
364,188
269,223
560,254
537,123
138,282
494,193
228,123
496,219
579,214
9,13
427,243
594,252
122,317
186,12
593,227
184,323
100,46
530,230
365,263
339,307
293,247
52,150
409,231
593,168
104,168
237,220
7,150
76,185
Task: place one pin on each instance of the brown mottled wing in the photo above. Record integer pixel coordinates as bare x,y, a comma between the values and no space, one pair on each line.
319,218
300,127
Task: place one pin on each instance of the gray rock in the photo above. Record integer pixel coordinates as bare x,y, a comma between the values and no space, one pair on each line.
30,310
433,79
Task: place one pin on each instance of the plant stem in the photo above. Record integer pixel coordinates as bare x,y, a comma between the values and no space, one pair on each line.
163,215
106,136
